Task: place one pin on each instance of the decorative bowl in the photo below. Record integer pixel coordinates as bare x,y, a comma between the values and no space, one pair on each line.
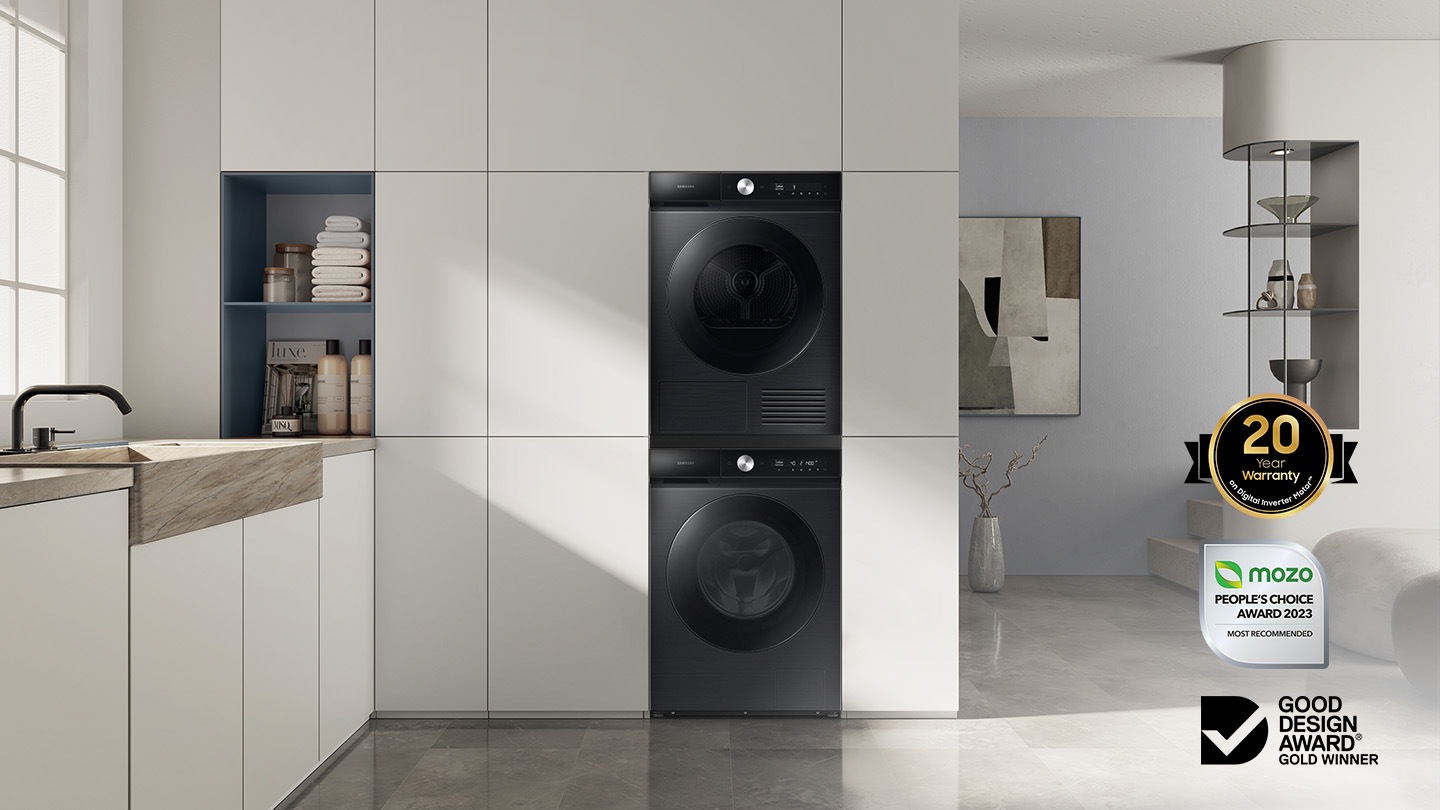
1288,209
1302,370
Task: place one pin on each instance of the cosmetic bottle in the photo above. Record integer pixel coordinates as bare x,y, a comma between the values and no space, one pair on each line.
362,391
331,399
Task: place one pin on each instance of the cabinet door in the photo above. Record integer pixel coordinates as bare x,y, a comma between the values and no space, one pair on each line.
569,298
430,85
430,583
901,304
186,670
282,651
347,598
655,84
914,45
901,561
63,631
430,328
569,619
297,85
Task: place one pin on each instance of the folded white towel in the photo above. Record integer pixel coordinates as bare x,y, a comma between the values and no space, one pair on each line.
340,275
344,223
342,239
341,292
345,256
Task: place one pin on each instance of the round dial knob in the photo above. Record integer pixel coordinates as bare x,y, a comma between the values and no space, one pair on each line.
745,463
745,186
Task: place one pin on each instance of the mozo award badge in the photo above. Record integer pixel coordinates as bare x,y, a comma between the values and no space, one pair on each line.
1263,604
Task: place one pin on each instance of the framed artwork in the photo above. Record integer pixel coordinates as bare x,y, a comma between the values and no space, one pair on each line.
1020,316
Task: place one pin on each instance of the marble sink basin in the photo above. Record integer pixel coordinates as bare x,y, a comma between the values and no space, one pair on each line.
183,486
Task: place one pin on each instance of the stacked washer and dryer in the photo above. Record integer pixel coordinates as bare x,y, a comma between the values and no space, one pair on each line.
745,443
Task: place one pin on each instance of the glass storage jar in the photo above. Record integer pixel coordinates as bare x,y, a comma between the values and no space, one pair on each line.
279,285
296,257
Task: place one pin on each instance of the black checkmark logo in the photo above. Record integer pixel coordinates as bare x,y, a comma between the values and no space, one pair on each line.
1233,730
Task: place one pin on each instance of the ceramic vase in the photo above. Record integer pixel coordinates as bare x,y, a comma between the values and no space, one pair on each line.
1281,284
987,556
1306,294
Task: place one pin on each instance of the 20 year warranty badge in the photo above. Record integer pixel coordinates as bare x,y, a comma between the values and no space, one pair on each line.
1271,455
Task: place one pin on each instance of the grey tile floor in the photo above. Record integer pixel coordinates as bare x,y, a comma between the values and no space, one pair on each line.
1075,692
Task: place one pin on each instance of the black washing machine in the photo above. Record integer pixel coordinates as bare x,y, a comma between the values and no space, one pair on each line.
744,303
744,582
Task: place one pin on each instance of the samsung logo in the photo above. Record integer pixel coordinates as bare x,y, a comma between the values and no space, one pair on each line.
685,463
683,185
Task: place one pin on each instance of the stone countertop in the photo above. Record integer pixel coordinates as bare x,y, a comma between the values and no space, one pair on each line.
330,445
22,485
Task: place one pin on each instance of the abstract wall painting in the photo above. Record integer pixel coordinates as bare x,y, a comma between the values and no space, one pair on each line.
1020,316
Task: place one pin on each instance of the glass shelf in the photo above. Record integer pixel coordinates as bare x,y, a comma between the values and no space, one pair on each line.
359,307
1299,150
1294,230
1276,313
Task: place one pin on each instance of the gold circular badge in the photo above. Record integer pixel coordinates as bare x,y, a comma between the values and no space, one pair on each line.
1271,455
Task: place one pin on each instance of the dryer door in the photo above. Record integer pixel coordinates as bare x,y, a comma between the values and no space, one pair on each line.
745,296
745,573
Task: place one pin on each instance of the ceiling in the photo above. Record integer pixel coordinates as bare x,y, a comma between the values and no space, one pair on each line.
1144,57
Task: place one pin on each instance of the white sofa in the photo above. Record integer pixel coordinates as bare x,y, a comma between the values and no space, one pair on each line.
1365,569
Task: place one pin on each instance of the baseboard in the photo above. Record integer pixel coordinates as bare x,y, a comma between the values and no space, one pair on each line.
577,715
324,767
428,715
951,715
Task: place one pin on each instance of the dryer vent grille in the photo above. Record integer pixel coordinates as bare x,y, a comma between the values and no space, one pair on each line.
792,406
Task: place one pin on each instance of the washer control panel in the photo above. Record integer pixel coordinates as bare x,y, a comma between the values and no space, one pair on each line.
674,463
782,186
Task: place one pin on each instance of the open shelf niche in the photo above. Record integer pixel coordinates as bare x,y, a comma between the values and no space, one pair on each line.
257,211
1325,243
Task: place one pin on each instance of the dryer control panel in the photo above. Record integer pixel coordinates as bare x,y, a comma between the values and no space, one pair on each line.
741,189
748,463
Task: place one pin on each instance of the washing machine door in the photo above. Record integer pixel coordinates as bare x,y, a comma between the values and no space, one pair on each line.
745,296
745,573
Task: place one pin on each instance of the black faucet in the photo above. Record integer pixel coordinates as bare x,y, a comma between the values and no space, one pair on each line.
17,411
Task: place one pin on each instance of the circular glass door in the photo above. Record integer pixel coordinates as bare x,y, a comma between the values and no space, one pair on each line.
745,296
745,573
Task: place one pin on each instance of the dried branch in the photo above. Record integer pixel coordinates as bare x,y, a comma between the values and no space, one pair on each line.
974,473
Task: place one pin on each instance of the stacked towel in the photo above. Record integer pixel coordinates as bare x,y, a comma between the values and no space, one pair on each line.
341,260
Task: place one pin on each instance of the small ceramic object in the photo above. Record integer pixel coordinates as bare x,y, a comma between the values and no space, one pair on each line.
1306,294
1266,301
1280,284
1288,209
987,556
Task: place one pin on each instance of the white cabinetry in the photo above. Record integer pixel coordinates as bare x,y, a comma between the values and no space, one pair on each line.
569,296
297,85
901,561
569,555
186,648
902,85
901,304
282,637
655,84
63,636
430,316
430,561
430,85
347,598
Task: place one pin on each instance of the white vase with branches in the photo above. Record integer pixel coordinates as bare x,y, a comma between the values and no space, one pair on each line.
986,568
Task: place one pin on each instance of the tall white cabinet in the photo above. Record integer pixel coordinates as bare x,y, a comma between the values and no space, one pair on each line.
63,640
430,79
569,562
431,334
297,85
431,601
347,598
569,297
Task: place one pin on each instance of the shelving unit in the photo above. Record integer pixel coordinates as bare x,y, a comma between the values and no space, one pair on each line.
258,210
1326,245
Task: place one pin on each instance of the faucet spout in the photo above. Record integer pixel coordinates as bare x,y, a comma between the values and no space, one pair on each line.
17,410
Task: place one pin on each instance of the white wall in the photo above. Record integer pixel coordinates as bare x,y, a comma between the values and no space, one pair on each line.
1386,95
96,228
1158,363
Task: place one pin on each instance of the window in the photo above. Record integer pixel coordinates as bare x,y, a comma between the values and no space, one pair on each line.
34,220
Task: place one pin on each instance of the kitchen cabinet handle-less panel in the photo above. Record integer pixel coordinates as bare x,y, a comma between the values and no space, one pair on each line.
430,311
568,304
63,636
900,538
901,303
186,648
430,575
282,640
569,552
430,85
297,85
347,598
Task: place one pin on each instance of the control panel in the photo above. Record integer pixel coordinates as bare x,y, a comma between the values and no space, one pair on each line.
734,464
739,189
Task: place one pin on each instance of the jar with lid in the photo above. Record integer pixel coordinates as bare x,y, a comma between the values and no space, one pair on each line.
296,257
279,285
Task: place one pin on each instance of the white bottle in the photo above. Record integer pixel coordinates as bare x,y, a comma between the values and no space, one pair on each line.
362,391
331,398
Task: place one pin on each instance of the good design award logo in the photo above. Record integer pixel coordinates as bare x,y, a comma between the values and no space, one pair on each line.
1233,730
